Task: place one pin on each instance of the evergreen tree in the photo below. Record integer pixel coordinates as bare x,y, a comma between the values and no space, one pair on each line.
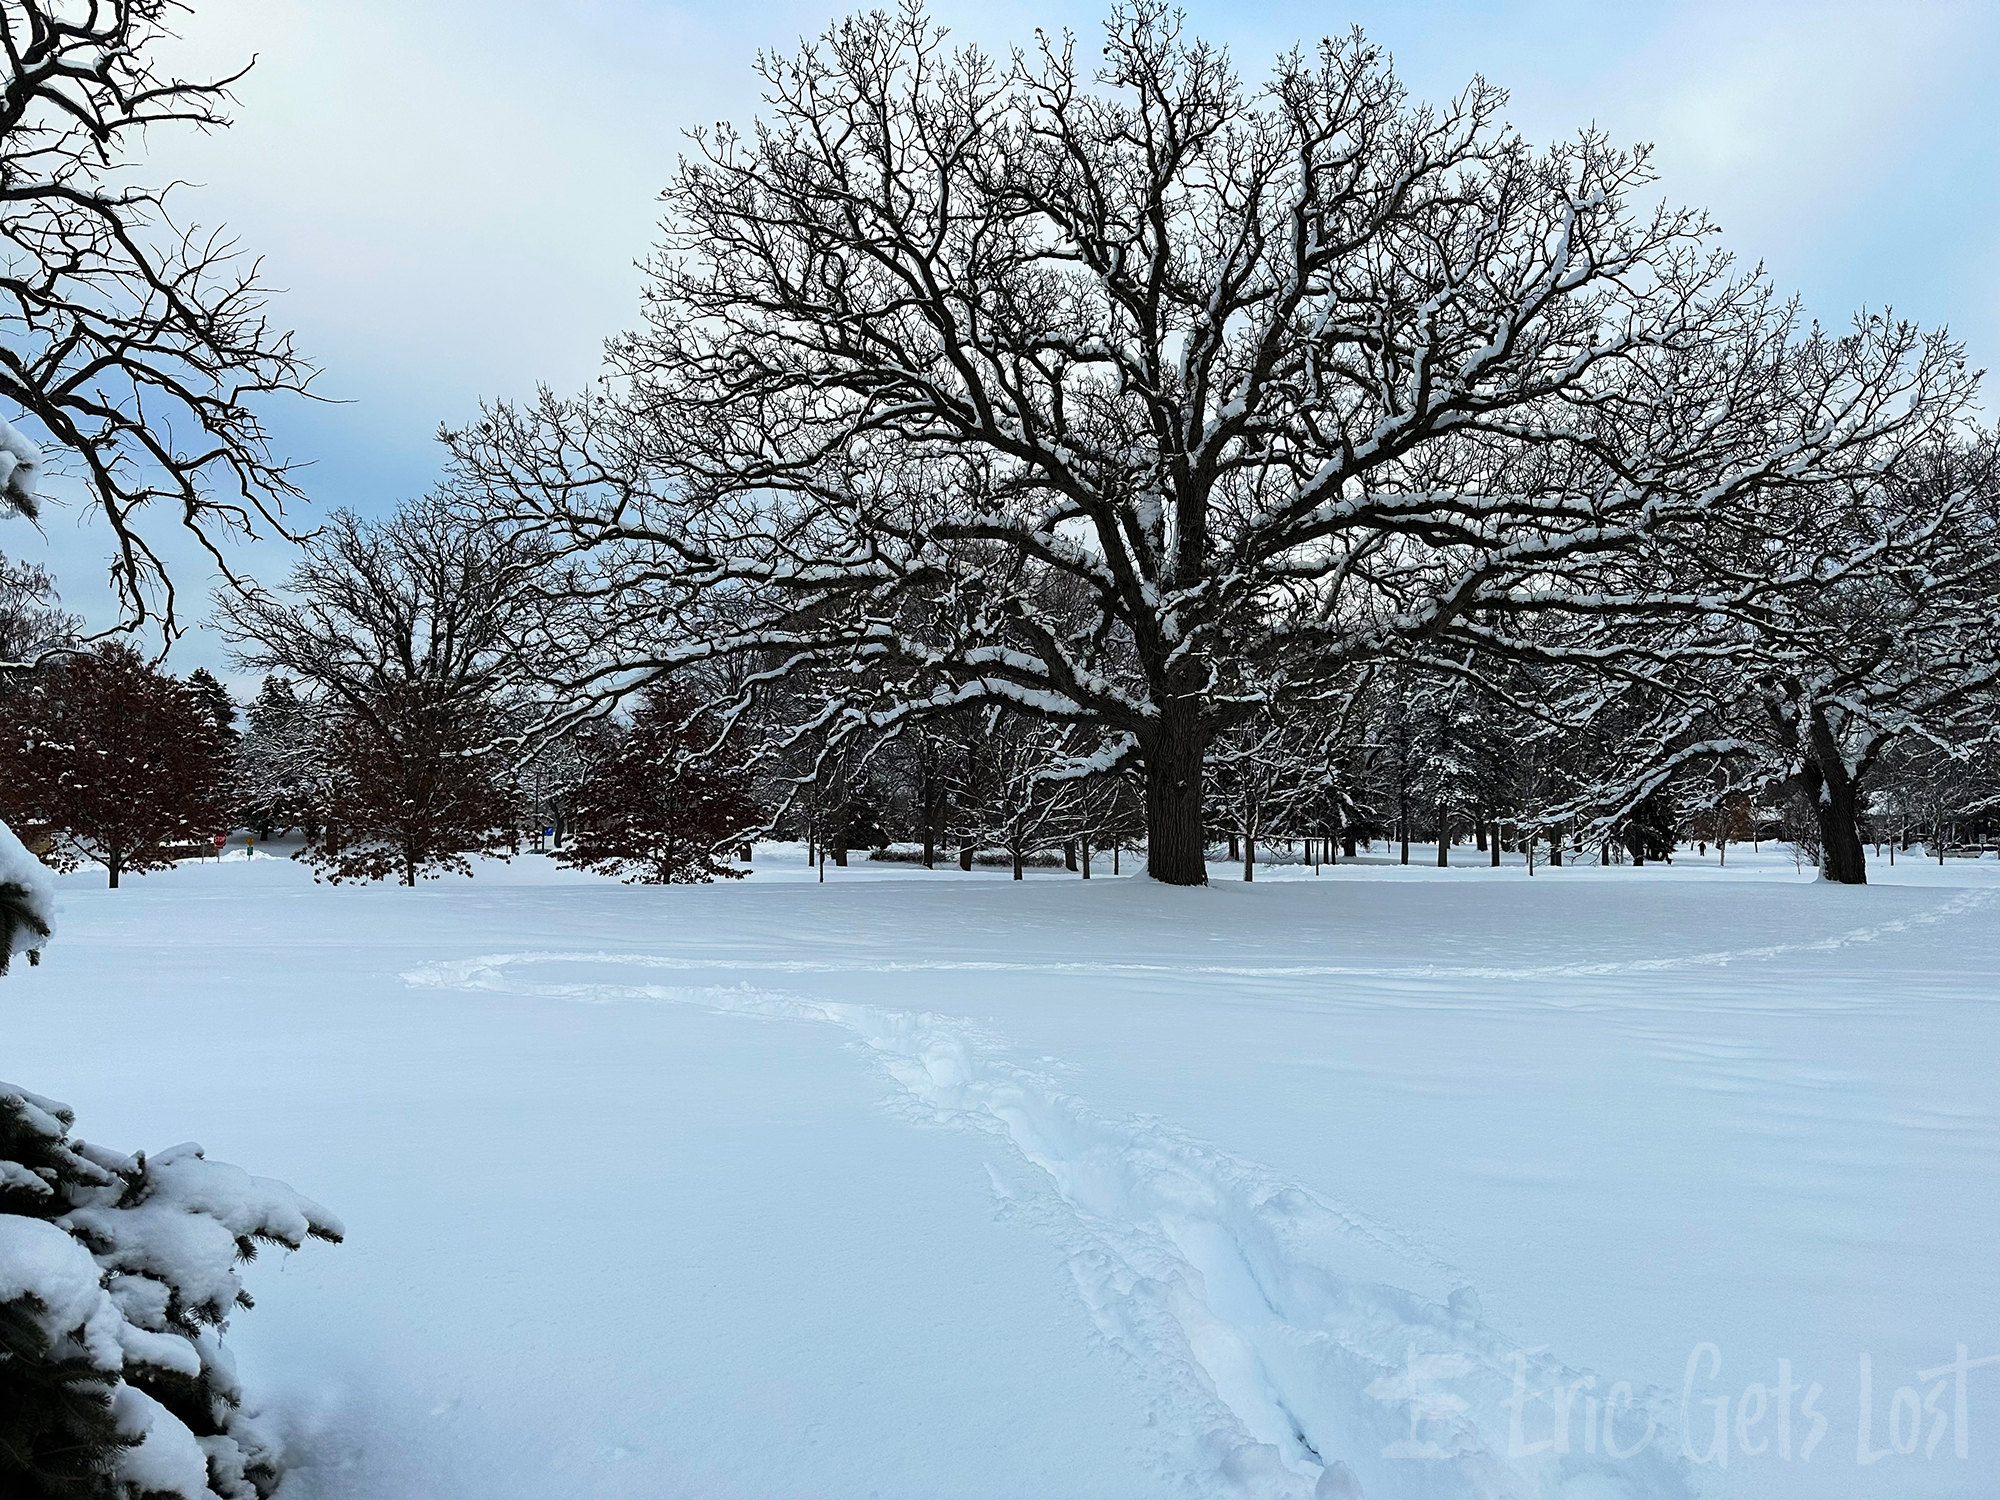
215,701
26,901
283,777
653,809
118,1276
114,760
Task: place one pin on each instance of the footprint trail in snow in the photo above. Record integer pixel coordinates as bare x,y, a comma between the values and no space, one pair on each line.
1284,1365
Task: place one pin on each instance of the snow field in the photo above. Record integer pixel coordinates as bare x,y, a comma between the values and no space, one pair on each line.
1280,1190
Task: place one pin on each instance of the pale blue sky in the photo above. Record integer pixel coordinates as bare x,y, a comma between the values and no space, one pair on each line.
453,192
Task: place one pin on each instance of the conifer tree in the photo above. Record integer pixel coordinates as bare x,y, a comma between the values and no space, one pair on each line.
215,700
118,1275
282,776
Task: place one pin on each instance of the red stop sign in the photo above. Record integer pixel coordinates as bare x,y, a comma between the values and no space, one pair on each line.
221,839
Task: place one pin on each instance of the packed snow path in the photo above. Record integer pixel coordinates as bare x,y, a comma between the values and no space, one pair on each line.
1352,1186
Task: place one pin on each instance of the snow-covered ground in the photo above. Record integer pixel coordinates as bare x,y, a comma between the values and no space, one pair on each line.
920,1184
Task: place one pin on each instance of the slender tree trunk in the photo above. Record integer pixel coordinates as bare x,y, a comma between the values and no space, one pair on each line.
1555,849
930,846
1086,858
1444,839
1174,846
1479,833
1249,855
1018,861
111,868
1493,846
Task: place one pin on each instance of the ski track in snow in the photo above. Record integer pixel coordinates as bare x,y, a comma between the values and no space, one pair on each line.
1277,1373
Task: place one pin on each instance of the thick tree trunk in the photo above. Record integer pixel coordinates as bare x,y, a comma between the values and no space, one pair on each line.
1017,864
839,853
965,857
1235,852
1347,846
111,868
930,847
1836,799
1841,857
1069,855
1174,845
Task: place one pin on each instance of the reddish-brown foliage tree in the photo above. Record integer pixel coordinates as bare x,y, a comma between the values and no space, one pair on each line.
410,798
653,810
113,760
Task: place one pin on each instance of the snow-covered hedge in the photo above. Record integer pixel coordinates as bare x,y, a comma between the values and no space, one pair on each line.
118,1275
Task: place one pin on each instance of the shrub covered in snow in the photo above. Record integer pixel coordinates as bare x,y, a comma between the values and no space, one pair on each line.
118,1275
27,901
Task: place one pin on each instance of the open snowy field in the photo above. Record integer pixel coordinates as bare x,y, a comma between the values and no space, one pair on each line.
919,1184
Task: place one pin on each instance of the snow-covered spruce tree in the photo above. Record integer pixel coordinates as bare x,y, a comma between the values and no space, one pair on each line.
118,1275
652,807
282,776
1273,378
27,902
215,702
114,760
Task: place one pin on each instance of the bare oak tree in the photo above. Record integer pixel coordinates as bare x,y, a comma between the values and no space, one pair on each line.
1262,382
